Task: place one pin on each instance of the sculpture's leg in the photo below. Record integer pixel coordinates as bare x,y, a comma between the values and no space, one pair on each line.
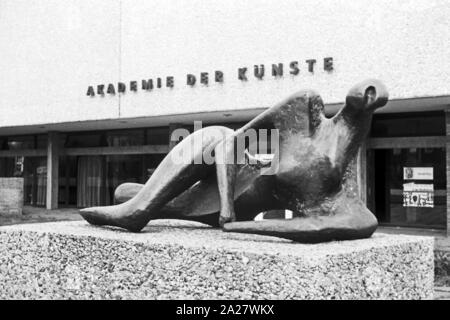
343,219
226,169
252,194
172,177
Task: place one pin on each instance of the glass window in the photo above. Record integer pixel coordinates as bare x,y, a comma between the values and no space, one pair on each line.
35,180
125,138
7,167
408,124
68,180
34,172
3,143
41,141
151,162
20,143
92,189
85,140
410,186
93,181
157,136
62,140
124,168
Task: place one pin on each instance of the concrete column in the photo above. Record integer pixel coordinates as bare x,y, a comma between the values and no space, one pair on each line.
52,170
447,152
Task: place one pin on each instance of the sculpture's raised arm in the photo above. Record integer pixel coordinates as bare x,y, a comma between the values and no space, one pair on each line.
326,212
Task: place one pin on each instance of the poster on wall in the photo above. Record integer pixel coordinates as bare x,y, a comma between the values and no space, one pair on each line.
418,173
418,195
18,168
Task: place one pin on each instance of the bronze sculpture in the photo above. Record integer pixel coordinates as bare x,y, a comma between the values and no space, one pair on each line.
313,154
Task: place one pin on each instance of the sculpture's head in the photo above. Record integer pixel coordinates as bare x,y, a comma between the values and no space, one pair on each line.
366,96
352,123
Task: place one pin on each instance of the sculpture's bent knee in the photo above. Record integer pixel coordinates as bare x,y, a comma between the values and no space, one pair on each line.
126,191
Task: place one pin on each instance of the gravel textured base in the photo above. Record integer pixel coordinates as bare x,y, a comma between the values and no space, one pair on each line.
184,260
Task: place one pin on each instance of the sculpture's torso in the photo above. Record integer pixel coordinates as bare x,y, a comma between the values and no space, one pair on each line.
302,184
305,177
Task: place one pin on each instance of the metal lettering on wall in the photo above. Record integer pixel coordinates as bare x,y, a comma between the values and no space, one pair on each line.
244,73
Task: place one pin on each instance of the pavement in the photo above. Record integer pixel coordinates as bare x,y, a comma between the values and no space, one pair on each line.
39,215
442,242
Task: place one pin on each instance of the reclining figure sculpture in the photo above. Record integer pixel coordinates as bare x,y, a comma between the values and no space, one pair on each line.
313,155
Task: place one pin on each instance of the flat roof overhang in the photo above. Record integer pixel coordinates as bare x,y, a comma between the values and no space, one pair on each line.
393,106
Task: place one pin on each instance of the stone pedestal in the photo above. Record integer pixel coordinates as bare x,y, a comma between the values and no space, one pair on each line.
11,196
185,260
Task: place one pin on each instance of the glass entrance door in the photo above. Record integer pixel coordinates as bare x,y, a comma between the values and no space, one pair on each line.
407,186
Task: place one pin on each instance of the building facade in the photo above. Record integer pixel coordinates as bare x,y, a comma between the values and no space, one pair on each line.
91,90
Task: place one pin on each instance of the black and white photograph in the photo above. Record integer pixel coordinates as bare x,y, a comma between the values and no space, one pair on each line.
224,156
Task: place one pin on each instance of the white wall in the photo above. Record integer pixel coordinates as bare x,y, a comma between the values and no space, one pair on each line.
49,51
52,50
